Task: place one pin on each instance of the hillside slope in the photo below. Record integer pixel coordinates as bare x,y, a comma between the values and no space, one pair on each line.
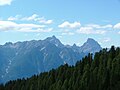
99,73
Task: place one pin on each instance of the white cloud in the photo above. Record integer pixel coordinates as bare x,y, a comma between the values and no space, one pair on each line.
67,24
107,26
90,30
5,2
12,26
11,18
34,18
99,26
37,30
30,18
117,26
7,25
45,21
95,29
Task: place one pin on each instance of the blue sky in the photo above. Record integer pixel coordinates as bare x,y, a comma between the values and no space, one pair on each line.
72,21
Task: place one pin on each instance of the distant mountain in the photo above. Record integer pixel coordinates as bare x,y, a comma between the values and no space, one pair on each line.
91,46
24,59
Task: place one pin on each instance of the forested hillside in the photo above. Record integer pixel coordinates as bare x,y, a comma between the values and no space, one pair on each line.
101,72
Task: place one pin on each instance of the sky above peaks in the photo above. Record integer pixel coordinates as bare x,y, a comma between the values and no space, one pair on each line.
71,21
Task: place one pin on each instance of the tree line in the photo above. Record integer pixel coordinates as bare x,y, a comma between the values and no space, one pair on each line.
98,72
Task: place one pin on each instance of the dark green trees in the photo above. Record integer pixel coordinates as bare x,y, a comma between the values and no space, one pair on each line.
98,72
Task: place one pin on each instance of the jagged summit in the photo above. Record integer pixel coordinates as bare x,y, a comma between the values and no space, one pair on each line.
54,40
91,41
90,45
24,59
53,36
8,43
74,45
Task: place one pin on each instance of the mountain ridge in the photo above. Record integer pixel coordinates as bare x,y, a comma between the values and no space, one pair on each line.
39,55
47,39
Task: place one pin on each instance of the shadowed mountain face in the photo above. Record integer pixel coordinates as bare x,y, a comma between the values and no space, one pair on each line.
24,59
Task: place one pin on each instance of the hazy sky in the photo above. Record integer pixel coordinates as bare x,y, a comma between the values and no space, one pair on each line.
72,21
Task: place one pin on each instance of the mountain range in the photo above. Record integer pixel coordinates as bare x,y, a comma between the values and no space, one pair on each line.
24,59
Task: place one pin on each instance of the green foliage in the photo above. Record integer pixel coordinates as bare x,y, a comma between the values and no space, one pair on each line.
101,72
